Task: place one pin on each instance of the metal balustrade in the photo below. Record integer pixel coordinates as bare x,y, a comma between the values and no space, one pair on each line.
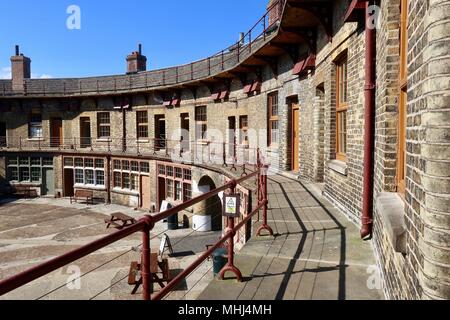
145,225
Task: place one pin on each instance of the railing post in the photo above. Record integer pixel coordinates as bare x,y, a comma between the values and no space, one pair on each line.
145,265
224,147
264,226
230,267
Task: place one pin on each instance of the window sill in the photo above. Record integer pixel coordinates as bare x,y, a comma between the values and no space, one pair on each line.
126,192
31,184
35,139
392,210
89,187
143,141
104,140
338,166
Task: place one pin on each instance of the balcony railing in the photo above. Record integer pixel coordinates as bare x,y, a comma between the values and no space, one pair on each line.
198,152
145,225
264,30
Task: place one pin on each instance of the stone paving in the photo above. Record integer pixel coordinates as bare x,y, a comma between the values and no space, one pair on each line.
35,231
316,253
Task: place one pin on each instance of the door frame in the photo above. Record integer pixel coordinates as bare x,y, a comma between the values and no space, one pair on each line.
295,156
60,136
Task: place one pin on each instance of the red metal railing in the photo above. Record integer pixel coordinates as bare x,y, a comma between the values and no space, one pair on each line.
145,225
223,60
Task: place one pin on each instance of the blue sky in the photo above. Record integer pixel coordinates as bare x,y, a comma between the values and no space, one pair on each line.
172,32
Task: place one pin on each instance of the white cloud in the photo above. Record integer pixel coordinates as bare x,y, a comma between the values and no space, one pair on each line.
46,76
40,76
5,73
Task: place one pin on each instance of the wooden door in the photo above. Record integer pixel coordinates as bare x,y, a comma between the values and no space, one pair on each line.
68,183
295,137
56,132
145,192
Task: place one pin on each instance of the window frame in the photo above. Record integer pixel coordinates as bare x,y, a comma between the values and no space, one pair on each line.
103,125
142,124
201,121
273,118
35,124
341,108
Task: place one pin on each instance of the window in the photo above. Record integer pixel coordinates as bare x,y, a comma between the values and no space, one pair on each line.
104,125
127,173
341,110
27,169
35,126
87,171
142,124
201,123
403,91
243,126
272,102
177,182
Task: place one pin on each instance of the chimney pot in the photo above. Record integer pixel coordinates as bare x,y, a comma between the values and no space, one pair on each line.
17,50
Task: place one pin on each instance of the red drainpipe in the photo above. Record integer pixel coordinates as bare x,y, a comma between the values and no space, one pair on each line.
369,133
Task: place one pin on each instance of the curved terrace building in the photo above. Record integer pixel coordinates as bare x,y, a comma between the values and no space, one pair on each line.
351,95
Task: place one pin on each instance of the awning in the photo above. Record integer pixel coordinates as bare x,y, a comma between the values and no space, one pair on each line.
248,88
256,86
356,11
304,65
215,96
224,94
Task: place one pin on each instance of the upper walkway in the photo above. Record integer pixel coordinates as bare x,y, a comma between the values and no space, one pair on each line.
316,253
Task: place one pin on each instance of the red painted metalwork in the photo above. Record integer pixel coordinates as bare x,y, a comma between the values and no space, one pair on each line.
355,11
231,232
369,135
304,65
263,185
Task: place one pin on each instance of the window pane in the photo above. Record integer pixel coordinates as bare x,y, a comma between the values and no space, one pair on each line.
79,162
89,163
47,161
126,180
35,161
79,176
24,174
13,173
178,191
100,177
145,167
117,165
179,173
187,174
12,161
187,192
24,161
125,165
162,170
117,180
169,188
89,176
99,163
35,174
170,171
68,162
35,131
134,182
135,166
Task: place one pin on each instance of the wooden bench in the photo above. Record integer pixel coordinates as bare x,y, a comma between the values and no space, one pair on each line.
156,267
119,221
24,190
88,195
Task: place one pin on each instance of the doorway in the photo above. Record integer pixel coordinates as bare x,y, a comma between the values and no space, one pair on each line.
85,133
2,134
56,132
48,182
185,145
145,192
232,136
161,192
160,132
68,183
295,130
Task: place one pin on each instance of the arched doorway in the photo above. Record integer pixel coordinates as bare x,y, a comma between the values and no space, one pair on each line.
208,213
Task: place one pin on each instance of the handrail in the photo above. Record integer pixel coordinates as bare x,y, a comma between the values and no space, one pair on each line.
142,81
145,225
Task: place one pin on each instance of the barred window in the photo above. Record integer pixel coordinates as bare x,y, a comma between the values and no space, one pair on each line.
104,125
142,124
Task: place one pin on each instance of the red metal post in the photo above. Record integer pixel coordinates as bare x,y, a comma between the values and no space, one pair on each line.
145,266
230,267
264,226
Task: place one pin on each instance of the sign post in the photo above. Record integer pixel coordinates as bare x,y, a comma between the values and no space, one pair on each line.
232,205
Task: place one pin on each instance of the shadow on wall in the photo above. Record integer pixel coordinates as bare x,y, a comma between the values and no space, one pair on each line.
211,207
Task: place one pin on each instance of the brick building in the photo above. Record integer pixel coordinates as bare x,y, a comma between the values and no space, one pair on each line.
349,94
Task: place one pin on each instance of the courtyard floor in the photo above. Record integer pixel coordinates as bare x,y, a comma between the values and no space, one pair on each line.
35,231
316,253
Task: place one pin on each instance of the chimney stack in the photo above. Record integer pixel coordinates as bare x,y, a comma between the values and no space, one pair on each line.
20,70
136,62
